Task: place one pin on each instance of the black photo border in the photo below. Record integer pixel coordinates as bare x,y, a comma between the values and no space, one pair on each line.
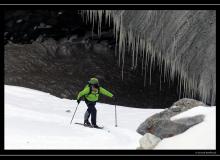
195,153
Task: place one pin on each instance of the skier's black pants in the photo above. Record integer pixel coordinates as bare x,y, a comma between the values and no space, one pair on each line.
91,110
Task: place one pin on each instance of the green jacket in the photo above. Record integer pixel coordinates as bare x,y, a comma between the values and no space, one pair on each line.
93,96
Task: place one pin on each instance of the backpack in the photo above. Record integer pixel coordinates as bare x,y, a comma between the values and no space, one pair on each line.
90,89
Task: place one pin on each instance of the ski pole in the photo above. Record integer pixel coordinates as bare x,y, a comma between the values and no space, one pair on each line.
74,114
115,114
115,117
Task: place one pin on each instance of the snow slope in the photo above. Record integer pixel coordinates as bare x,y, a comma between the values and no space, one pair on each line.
38,120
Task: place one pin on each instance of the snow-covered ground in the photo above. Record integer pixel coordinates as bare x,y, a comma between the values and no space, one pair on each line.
38,120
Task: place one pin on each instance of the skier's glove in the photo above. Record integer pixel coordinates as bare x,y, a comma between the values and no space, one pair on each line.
78,101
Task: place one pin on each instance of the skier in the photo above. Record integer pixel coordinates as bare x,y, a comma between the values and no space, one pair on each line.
91,95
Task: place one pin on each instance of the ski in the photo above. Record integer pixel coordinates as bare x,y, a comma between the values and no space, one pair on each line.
89,126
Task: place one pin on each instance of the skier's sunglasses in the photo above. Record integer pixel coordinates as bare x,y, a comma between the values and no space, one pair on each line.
96,85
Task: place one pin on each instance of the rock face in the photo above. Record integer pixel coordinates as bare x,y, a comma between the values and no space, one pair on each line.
167,128
160,124
148,141
23,26
190,121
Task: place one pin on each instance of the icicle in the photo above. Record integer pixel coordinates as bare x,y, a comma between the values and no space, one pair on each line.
106,16
150,71
160,64
160,83
143,56
136,51
121,41
93,23
131,47
133,51
109,16
164,73
145,66
90,16
100,22
117,30
116,37
123,61
123,53
180,86
184,81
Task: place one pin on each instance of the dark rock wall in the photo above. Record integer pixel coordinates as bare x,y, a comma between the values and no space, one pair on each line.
25,26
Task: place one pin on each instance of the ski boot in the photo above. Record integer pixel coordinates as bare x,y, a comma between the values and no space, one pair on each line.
95,126
87,124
